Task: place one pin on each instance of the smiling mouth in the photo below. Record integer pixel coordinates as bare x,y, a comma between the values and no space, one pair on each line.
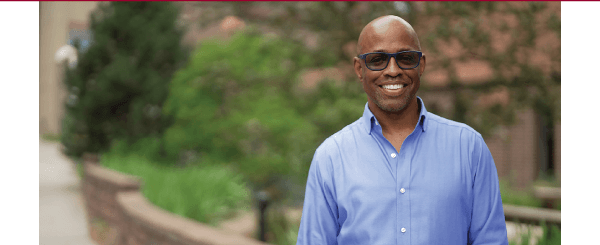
392,86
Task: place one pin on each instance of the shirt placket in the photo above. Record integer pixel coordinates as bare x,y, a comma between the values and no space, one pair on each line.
400,163
396,160
403,191
404,176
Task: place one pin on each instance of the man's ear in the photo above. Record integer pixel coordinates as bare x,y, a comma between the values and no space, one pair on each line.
422,65
358,68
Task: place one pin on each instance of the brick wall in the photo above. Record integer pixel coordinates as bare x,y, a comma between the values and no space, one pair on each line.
523,150
515,150
118,214
498,148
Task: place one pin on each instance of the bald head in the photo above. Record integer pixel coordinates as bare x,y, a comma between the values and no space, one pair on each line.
382,26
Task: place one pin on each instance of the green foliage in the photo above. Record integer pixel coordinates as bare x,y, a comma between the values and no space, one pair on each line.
518,197
51,137
550,236
236,112
233,107
119,85
472,24
332,106
240,102
554,23
80,170
281,231
74,136
234,102
336,23
207,194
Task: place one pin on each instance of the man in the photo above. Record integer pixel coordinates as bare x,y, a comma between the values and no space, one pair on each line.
399,174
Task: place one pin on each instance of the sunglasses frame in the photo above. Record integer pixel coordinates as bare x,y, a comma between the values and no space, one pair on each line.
389,55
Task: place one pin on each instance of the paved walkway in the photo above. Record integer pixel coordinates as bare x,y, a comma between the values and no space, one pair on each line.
62,212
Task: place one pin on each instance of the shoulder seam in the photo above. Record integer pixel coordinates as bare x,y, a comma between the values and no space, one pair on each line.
456,124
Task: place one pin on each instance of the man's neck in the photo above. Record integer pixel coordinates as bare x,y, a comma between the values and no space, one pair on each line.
398,122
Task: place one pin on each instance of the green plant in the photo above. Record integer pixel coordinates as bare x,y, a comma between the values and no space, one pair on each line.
524,239
280,230
550,236
207,194
518,197
51,137
120,82
233,103
80,169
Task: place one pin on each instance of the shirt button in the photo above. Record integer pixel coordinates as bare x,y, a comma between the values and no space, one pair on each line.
393,155
376,123
402,190
403,230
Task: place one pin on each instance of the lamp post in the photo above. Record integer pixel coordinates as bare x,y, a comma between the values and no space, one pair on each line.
263,201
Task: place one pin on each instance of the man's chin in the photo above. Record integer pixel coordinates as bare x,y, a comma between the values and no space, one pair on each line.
391,107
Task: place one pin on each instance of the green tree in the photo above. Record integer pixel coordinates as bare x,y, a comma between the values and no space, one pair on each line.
232,104
475,26
121,81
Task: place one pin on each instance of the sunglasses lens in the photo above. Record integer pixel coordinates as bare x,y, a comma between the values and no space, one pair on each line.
407,60
376,61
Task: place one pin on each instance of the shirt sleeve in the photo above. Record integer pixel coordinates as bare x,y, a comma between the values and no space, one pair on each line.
488,225
319,215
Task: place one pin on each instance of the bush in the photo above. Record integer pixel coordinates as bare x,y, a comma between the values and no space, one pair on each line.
236,102
121,81
236,118
206,194
233,103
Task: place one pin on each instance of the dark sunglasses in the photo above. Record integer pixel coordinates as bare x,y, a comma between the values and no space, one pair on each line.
378,61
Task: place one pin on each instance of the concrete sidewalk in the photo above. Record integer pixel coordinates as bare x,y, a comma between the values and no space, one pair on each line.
62,211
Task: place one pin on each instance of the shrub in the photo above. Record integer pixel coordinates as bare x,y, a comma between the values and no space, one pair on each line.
206,194
233,103
119,85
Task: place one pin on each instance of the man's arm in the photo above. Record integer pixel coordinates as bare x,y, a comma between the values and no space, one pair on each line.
488,225
319,216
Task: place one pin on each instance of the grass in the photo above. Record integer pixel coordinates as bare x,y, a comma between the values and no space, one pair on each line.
51,137
518,197
526,197
550,236
207,194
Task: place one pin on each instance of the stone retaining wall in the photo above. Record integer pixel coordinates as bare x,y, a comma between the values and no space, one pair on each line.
118,214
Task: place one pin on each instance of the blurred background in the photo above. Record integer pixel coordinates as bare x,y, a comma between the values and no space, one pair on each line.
242,93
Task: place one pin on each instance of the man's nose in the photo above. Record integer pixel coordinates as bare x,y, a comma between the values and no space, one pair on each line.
392,69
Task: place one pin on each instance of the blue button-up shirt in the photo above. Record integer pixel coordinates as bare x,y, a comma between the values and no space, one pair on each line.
441,188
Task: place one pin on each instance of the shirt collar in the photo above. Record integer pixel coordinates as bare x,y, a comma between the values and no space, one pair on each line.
369,120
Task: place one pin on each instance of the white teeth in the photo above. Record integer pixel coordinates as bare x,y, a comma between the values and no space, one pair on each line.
393,86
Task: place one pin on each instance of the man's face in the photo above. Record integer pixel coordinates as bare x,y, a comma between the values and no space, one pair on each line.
391,89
